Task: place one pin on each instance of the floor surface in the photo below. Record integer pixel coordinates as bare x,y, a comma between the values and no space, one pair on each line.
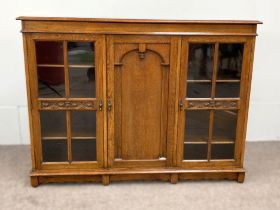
261,189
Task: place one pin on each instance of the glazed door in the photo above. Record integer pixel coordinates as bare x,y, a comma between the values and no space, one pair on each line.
137,100
67,97
213,86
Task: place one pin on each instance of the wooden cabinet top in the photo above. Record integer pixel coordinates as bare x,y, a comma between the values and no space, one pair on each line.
110,20
138,26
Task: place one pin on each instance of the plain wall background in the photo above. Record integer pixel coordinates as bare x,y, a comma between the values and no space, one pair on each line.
264,115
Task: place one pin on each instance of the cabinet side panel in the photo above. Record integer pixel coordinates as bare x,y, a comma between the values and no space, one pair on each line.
25,48
30,95
33,88
247,93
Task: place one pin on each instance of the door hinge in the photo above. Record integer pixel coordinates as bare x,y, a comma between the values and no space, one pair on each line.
100,105
109,105
181,105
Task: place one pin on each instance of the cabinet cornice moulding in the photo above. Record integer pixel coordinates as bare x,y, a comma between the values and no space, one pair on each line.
138,26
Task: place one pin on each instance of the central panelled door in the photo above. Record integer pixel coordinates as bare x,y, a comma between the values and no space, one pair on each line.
137,101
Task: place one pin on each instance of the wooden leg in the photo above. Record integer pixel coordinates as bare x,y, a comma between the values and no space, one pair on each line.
105,180
173,178
34,181
241,177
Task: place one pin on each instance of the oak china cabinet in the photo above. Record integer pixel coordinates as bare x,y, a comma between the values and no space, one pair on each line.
116,99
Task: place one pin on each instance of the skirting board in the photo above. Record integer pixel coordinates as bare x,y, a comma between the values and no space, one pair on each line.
107,176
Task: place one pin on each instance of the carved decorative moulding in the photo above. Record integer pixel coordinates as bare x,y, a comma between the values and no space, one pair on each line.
67,104
142,49
213,104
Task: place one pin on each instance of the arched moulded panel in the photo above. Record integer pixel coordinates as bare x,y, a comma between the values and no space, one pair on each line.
141,82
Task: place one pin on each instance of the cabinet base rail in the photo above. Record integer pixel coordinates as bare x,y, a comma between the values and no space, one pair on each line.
107,176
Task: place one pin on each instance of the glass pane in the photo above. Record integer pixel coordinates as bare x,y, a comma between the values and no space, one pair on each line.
49,52
81,53
222,151
227,90
200,63
195,151
198,90
230,61
54,150
83,150
196,125
82,82
83,123
224,127
51,82
53,123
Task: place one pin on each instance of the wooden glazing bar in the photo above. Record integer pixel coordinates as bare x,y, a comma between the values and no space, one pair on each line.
210,134
211,119
69,135
67,94
66,72
214,73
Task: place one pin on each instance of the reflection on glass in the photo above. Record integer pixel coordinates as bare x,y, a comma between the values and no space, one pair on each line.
196,126
227,89
200,62
81,53
82,82
53,123
51,82
222,151
50,69
198,90
83,150
83,123
230,61
49,52
224,127
54,150
195,151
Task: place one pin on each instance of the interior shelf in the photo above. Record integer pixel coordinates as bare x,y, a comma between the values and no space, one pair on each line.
69,66
218,80
73,138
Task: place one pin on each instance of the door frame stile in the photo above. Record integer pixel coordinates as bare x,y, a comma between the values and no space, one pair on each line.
110,94
173,100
